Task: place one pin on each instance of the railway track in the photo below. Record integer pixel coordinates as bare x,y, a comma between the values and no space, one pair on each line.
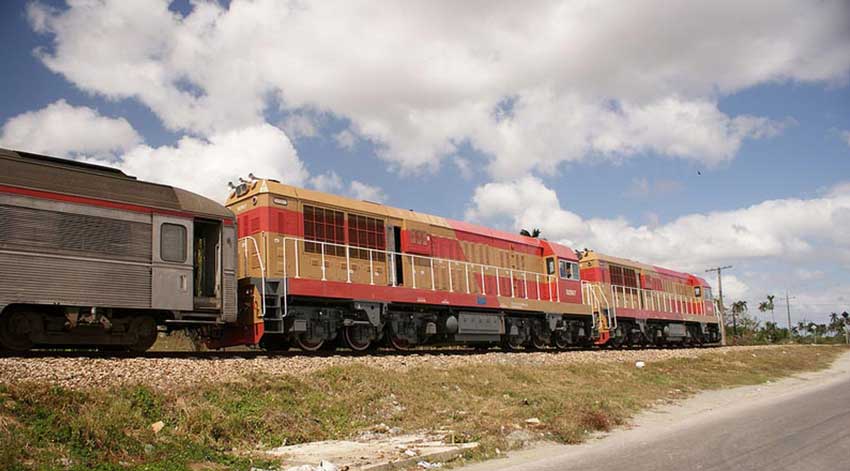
259,354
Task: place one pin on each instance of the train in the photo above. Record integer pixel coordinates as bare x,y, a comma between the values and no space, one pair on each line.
93,258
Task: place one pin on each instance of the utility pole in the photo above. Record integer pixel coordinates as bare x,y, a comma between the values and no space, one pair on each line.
719,271
788,310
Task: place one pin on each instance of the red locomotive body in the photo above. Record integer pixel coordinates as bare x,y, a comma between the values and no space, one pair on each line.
332,269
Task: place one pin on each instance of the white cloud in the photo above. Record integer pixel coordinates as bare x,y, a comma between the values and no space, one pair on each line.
330,182
65,130
206,165
733,289
327,182
530,87
298,125
345,139
366,192
788,229
464,166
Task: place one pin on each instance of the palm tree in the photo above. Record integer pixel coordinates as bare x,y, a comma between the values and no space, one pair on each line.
836,323
801,328
738,307
765,306
534,233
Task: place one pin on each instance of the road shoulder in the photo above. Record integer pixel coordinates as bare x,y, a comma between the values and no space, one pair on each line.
668,419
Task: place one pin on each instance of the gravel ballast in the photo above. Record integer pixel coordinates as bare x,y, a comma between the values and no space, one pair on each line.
166,373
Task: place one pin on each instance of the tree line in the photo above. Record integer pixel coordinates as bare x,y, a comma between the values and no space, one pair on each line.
743,327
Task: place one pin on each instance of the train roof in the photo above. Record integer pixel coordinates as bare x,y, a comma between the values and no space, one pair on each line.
69,177
592,255
274,187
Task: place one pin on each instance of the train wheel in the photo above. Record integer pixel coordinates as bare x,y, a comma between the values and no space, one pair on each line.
512,343
357,337
560,340
309,344
145,329
15,331
538,342
398,343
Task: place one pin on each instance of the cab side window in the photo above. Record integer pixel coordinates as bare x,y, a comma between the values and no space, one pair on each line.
550,266
568,270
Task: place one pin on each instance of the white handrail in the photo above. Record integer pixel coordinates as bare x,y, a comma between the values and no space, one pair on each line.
660,301
262,270
450,265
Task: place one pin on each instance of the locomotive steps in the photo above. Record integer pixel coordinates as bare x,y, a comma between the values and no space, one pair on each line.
231,413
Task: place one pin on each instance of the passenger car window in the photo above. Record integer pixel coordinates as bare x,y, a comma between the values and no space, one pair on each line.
172,243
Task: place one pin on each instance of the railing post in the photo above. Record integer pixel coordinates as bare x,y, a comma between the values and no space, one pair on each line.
323,261
433,282
371,269
466,276
283,243
483,282
347,264
498,288
525,284
549,287
451,285
511,275
537,284
558,288
413,271
245,247
297,265
392,265
262,271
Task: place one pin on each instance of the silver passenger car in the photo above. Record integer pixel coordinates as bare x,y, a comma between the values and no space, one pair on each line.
90,256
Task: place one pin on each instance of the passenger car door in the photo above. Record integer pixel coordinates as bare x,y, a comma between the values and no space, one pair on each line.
171,270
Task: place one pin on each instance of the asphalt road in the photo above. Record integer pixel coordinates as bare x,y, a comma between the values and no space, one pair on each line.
805,426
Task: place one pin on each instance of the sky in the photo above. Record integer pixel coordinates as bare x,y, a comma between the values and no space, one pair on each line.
683,134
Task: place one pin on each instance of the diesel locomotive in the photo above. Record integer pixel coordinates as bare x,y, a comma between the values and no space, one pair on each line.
93,258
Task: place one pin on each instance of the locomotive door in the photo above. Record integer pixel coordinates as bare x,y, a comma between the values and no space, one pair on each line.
171,270
394,260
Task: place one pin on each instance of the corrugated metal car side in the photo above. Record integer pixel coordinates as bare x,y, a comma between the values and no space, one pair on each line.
73,281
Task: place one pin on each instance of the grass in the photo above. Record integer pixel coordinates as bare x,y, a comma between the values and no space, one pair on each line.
223,426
